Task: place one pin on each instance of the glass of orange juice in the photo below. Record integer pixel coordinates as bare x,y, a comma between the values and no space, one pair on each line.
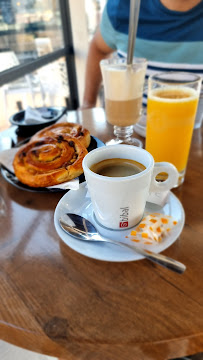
171,110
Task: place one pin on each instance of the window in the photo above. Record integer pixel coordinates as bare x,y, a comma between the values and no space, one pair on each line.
37,63
36,40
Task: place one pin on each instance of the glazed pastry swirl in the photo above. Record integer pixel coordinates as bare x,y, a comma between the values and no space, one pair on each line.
49,161
66,128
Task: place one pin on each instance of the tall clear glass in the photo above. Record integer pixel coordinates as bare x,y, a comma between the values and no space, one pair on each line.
123,90
171,110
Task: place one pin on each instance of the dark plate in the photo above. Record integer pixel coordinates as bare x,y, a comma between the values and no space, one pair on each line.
50,115
12,179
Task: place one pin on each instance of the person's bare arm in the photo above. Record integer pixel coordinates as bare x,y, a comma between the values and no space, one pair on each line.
98,50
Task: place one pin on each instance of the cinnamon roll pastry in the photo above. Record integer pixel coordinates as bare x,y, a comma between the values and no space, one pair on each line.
49,161
66,128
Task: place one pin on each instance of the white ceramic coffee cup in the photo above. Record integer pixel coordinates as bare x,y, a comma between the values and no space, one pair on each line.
119,202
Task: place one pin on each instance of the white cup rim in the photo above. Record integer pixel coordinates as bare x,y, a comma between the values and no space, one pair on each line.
120,178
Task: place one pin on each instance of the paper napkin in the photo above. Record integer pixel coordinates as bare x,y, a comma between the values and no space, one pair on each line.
6,158
33,116
159,198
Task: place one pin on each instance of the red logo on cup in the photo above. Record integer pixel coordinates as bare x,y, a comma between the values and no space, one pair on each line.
123,224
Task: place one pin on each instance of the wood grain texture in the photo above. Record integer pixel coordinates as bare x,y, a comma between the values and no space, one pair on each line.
60,303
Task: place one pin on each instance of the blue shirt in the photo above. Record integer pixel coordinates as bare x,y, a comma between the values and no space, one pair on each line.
169,40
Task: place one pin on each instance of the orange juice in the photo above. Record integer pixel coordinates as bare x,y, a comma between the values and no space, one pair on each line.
170,119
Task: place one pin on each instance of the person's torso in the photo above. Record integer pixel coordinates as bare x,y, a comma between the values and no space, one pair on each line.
169,40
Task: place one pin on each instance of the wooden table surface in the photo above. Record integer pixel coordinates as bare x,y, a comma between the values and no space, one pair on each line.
58,302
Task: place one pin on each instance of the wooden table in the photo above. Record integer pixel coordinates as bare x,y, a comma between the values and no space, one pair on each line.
58,302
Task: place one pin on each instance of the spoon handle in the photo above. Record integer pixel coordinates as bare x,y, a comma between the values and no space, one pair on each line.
160,259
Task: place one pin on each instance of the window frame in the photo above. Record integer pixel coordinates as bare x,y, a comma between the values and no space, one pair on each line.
67,51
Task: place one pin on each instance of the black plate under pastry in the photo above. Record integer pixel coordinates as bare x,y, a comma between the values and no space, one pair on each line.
12,179
50,115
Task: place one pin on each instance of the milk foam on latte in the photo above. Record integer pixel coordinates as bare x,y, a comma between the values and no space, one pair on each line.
123,89
123,84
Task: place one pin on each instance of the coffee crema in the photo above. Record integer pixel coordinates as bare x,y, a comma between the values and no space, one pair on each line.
117,167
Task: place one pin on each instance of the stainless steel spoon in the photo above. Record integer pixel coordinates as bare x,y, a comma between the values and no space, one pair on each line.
82,229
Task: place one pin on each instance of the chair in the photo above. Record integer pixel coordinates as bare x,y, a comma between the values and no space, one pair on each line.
23,86
53,77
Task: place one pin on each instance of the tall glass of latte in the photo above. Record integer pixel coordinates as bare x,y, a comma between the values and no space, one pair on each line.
123,90
171,110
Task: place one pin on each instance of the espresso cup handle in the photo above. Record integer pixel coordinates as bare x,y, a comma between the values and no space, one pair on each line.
169,183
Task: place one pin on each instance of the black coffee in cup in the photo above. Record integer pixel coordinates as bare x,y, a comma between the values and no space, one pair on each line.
117,167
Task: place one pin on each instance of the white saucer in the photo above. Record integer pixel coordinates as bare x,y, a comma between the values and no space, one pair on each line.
78,202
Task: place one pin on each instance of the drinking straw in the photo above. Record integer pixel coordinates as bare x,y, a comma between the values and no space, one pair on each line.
133,22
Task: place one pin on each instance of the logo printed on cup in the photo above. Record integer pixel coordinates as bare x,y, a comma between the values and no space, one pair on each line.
124,217
123,224
119,201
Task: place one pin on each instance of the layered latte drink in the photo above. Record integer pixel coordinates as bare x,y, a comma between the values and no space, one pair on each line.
123,88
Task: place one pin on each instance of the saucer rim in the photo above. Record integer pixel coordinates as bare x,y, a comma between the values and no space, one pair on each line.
67,239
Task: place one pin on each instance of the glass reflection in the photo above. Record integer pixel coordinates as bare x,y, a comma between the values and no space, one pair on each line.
48,86
23,22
